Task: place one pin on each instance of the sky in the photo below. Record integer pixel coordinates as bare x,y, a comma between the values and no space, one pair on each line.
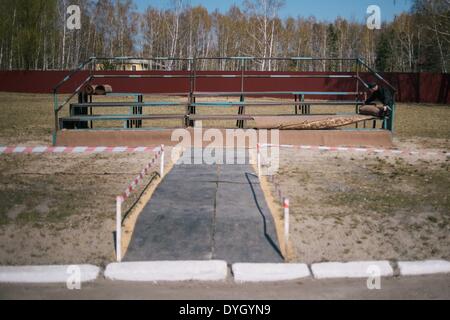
327,10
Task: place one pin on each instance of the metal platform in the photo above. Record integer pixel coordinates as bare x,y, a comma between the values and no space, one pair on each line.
83,115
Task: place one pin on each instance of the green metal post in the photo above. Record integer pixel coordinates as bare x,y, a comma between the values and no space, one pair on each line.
303,105
55,109
357,85
185,122
241,111
241,123
391,119
296,105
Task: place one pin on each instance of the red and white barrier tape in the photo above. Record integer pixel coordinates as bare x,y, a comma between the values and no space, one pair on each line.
120,199
361,150
141,175
45,149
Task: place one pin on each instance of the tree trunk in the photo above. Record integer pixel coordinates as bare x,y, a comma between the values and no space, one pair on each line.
12,40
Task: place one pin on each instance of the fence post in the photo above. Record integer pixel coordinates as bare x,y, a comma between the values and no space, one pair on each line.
161,172
119,201
286,225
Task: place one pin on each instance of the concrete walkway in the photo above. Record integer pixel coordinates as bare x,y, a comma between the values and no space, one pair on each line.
202,212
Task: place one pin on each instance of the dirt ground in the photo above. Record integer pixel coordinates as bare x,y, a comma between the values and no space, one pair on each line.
60,208
348,206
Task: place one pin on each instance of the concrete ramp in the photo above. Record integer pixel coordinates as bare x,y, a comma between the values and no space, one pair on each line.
206,212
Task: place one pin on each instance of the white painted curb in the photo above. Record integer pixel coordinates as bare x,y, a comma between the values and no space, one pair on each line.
48,274
167,271
269,272
355,269
411,268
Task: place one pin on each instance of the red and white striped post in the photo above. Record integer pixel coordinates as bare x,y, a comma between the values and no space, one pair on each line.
258,156
161,172
286,225
119,201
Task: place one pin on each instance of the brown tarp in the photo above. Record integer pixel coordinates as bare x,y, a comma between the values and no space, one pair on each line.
311,122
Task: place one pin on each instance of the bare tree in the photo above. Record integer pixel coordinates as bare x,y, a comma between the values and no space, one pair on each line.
262,30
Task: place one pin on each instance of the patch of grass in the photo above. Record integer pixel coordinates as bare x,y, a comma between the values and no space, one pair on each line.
397,187
422,120
32,191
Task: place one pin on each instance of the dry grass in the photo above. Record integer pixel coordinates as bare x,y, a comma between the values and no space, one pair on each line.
352,207
61,208
426,121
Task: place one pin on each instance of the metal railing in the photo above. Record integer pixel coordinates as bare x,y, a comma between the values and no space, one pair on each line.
193,72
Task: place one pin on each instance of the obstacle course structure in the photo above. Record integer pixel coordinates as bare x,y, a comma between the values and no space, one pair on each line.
84,114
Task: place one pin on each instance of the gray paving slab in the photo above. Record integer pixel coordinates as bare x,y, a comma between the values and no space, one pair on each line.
203,212
176,224
244,229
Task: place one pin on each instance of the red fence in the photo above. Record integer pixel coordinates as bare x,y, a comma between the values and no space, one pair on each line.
411,87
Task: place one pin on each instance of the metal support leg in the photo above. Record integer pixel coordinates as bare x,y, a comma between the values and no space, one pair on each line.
82,98
192,110
186,112
139,111
91,111
241,111
303,105
390,124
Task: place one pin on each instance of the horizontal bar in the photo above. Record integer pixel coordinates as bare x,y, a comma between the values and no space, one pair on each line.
140,76
128,129
210,93
127,104
251,117
186,76
122,117
220,117
306,76
171,94
123,94
149,94
269,104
